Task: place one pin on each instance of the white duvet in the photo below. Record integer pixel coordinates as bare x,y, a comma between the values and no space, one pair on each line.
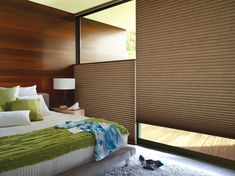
53,119
54,166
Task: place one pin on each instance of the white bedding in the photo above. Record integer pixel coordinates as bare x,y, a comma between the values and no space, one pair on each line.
53,119
57,165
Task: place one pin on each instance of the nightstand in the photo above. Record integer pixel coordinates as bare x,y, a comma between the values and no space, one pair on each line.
79,112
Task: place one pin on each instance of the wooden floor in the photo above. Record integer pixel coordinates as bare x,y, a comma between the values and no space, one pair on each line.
212,145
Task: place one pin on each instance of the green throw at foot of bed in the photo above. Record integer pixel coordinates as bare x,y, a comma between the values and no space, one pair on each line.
33,147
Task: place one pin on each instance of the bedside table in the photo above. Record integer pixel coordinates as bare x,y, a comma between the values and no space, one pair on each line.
79,112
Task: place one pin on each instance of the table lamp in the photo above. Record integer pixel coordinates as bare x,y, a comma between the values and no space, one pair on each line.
64,84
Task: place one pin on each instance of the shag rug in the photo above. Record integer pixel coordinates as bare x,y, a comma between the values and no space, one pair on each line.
172,166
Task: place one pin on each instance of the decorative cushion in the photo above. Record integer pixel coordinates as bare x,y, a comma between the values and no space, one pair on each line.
32,105
7,95
17,89
28,91
14,118
44,109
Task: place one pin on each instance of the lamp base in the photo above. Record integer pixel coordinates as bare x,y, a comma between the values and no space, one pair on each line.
66,101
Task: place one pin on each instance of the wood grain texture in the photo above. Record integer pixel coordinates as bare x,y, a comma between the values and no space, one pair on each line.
107,90
37,43
186,65
102,42
203,143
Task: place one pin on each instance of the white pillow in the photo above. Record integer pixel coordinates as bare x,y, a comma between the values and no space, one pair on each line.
28,91
14,118
44,109
17,90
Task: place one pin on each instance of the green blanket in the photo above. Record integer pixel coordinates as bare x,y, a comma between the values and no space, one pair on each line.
33,147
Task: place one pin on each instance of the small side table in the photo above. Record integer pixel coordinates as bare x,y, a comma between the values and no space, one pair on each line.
79,112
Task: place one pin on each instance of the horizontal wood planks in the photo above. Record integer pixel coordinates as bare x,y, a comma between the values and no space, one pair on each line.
208,144
37,43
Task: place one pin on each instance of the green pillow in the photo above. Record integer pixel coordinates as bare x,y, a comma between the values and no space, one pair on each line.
7,95
32,105
1,110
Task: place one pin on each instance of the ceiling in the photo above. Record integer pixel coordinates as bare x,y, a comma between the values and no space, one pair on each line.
72,6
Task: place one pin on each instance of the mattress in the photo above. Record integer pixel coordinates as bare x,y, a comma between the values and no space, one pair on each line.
58,164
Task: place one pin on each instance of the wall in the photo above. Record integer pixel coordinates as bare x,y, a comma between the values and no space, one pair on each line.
102,42
37,43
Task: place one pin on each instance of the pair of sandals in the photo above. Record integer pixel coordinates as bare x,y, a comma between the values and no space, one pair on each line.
150,164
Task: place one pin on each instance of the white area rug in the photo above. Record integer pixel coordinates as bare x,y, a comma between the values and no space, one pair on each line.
173,166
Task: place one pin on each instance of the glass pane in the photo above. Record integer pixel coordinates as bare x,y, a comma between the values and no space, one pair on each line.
109,35
198,142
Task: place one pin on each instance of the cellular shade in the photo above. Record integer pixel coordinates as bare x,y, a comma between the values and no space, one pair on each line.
186,65
107,90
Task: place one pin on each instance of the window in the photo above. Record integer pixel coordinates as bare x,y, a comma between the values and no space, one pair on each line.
109,35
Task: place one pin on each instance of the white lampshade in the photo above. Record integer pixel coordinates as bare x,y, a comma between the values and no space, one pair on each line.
64,83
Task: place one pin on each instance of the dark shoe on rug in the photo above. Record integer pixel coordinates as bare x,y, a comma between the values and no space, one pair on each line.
142,160
155,163
150,164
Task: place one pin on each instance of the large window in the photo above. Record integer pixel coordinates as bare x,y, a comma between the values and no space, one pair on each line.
203,143
109,35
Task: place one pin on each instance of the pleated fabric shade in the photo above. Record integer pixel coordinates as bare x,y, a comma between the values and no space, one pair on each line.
107,90
186,65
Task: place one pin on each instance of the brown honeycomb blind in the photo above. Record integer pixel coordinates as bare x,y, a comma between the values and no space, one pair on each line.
186,65
107,90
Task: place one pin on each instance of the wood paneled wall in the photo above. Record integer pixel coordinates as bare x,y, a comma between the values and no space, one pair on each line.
107,90
102,42
185,65
37,43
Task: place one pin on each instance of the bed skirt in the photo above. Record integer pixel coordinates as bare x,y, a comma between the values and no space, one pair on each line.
77,162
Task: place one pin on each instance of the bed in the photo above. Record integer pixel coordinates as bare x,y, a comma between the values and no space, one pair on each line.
74,162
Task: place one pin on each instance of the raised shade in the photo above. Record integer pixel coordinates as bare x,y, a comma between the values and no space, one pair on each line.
186,65
107,90
37,44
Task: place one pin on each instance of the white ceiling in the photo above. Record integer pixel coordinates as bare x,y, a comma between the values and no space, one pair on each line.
72,6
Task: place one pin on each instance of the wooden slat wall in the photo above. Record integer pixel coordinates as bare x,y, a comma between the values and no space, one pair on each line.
186,65
107,90
37,43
